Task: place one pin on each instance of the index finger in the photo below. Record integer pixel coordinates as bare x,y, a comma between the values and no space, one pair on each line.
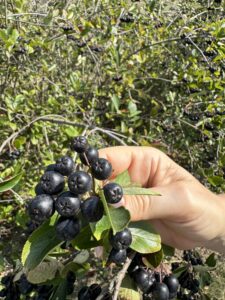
141,162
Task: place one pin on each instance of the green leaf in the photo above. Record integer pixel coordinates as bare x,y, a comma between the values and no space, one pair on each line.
81,257
211,260
118,217
216,180
79,270
45,271
133,190
123,179
99,227
39,244
167,250
85,239
128,290
153,259
10,183
180,270
144,237
115,102
60,291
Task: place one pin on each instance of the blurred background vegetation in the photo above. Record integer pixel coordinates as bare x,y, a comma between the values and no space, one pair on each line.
125,72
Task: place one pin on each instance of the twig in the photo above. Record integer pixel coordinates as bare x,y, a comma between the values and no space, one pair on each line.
196,46
121,275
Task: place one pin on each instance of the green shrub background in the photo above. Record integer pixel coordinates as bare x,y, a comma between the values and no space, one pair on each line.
126,72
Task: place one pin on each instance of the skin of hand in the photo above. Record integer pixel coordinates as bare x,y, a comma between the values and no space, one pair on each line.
186,215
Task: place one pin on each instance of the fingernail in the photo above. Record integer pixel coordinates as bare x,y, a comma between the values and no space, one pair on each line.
119,204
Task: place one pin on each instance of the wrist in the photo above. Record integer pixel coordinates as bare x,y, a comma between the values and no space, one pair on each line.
218,243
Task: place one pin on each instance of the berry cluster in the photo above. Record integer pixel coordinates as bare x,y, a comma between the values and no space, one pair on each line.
14,154
154,285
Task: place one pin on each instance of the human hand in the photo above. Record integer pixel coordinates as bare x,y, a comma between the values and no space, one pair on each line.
186,215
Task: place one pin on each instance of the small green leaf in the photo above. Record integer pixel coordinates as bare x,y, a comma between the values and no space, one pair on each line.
85,239
99,227
133,190
118,217
123,179
81,257
167,250
211,260
153,259
10,183
79,270
39,244
115,102
45,271
128,290
60,291
180,270
145,239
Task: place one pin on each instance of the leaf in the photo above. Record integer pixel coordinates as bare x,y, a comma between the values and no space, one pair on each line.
85,239
81,257
123,179
45,271
10,183
180,270
99,227
211,260
144,237
153,259
115,102
60,291
128,290
133,190
205,279
39,244
118,217
167,250
79,270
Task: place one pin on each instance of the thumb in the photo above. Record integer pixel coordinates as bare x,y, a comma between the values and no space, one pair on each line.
146,207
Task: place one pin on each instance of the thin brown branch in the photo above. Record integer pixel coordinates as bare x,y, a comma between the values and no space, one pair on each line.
121,276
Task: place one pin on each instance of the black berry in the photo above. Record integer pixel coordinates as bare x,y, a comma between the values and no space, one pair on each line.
41,208
113,192
143,280
160,291
79,144
89,156
67,204
121,240
84,293
39,190
67,228
64,165
172,283
95,290
92,209
117,256
101,169
50,168
80,182
25,287
52,182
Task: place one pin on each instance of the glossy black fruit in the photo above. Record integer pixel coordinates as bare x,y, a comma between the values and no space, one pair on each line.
95,290
113,192
101,169
89,156
67,228
39,190
143,280
172,283
117,256
80,182
25,287
67,204
41,208
160,291
92,209
50,168
84,293
64,165
79,144
52,182
121,240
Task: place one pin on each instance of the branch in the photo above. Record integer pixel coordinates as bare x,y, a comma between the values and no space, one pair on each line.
60,120
121,275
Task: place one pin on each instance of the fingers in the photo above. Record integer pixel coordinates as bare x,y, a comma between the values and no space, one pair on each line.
167,206
141,162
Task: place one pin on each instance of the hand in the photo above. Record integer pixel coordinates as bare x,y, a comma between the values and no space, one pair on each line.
186,214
